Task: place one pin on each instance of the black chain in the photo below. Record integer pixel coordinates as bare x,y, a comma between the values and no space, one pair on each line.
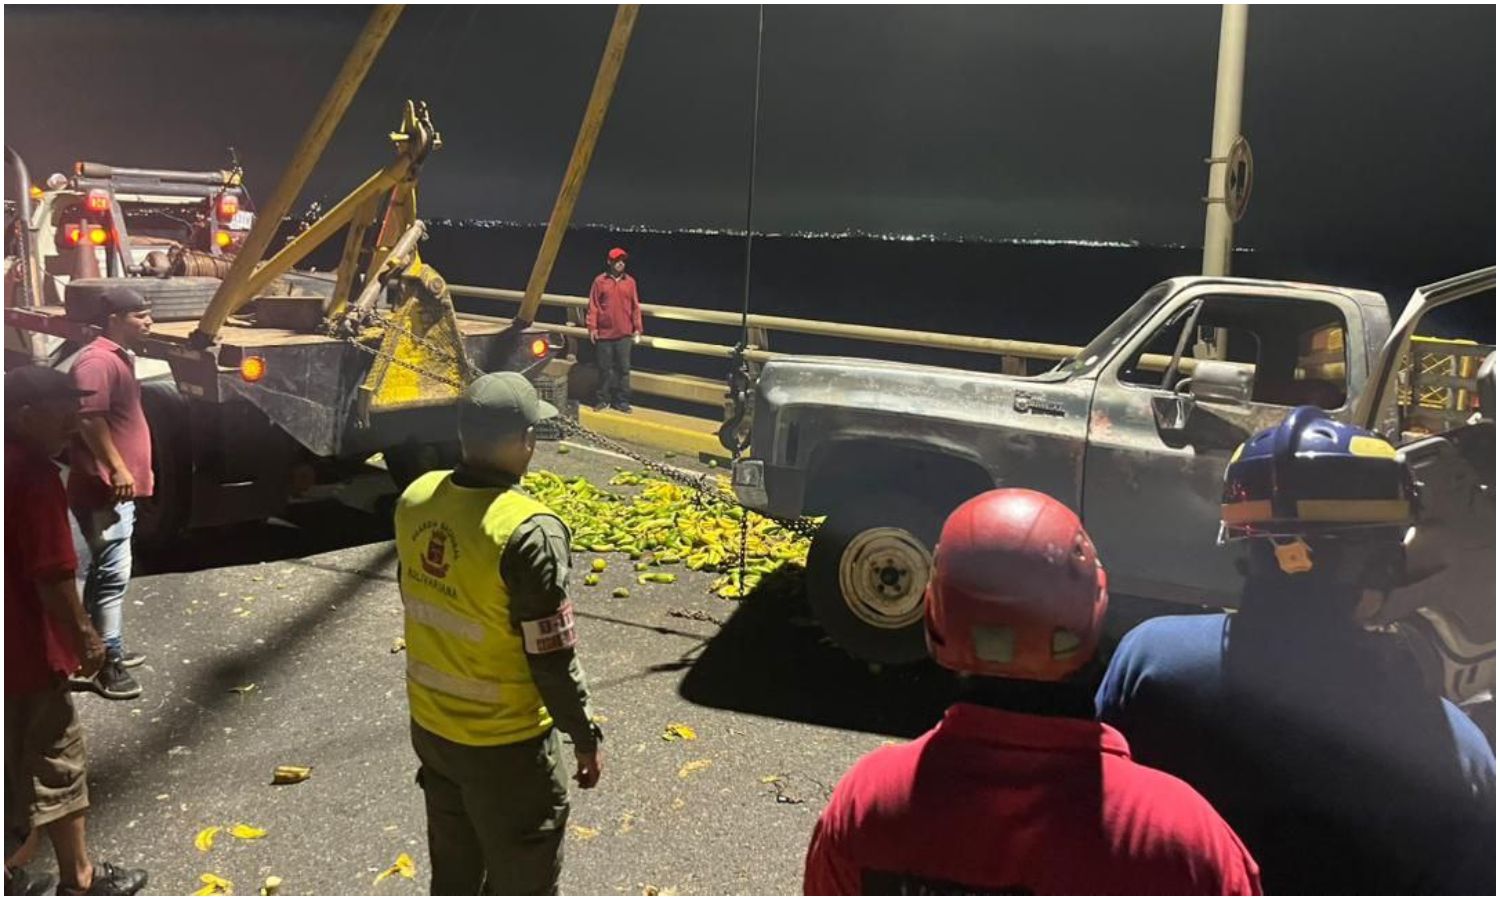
705,487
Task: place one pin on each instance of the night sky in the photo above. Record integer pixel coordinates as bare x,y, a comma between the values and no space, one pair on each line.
1373,127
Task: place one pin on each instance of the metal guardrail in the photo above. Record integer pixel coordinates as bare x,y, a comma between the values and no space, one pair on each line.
1437,383
691,389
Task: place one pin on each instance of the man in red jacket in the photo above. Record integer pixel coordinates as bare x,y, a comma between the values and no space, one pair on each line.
1018,790
48,637
614,321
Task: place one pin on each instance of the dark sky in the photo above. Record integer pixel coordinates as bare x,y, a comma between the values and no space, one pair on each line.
1373,127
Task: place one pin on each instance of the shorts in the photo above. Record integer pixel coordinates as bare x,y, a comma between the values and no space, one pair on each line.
45,776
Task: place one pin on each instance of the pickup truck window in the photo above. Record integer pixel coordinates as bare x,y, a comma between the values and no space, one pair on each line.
1294,348
1101,347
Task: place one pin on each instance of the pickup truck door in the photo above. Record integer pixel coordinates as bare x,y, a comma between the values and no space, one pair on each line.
1151,485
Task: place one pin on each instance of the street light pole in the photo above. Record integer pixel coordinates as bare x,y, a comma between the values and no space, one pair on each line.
1218,230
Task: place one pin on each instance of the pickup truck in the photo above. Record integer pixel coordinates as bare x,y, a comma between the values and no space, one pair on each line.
1133,432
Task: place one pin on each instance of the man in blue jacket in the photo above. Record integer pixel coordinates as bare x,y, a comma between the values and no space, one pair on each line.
1315,738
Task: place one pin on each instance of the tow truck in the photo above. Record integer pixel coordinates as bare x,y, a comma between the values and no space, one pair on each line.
304,376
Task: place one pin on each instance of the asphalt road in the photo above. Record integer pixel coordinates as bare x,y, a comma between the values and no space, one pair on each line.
273,644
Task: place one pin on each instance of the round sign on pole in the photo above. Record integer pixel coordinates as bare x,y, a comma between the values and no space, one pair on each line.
1239,176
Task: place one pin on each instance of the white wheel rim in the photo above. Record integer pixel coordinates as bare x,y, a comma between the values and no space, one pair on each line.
882,576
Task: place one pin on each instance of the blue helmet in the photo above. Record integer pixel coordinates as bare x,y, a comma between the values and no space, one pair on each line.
1312,475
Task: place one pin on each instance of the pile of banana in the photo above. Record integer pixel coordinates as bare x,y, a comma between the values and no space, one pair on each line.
667,524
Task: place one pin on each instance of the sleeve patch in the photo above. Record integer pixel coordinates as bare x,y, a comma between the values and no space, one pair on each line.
551,634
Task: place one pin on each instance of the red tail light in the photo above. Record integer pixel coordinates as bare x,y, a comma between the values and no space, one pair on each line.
539,347
222,239
98,236
74,235
229,204
97,201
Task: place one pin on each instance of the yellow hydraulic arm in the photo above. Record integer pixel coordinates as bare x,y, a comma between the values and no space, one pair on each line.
244,280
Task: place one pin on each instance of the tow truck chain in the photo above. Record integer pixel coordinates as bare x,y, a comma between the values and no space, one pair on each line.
705,488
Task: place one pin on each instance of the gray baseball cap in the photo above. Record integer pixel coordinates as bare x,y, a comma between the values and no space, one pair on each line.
501,404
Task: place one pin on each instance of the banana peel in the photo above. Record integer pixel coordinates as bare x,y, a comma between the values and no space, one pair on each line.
291,774
403,866
247,832
271,887
204,840
213,884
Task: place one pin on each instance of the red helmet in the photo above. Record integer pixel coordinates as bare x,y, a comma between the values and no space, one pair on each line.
617,253
1017,590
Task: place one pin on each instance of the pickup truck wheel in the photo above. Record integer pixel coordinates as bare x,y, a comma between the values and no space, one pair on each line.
867,572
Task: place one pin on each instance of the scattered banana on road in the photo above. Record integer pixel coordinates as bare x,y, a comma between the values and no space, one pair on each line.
666,524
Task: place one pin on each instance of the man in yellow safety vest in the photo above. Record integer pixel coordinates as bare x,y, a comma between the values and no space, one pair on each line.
492,673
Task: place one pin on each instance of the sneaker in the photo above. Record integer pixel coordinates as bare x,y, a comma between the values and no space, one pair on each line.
109,881
114,683
621,407
132,659
601,406
21,883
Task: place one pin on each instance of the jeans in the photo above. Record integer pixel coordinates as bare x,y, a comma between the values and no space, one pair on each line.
614,369
101,537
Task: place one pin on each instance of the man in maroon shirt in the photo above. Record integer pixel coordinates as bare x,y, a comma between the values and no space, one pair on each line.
1018,790
110,468
614,320
47,634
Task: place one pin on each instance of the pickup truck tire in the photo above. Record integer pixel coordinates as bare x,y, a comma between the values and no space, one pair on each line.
161,518
867,572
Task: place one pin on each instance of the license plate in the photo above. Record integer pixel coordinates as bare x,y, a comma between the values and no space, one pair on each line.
242,221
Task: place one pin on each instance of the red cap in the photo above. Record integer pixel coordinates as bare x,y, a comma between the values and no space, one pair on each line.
1017,590
617,253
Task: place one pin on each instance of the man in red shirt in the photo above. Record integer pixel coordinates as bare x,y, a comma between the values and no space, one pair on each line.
47,633
110,468
614,320
1018,790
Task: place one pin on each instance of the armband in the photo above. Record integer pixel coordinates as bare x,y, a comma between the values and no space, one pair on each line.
555,632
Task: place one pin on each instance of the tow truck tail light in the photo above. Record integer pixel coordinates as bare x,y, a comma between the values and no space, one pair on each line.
36,192
222,239
98,236
97,201
74,235
229,204
539,347
253,369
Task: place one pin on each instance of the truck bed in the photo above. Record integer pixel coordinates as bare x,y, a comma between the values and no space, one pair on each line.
235,341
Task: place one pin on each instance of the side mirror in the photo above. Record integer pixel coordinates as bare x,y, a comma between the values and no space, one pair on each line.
1220,382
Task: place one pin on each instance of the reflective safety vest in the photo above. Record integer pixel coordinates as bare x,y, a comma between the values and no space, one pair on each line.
467,678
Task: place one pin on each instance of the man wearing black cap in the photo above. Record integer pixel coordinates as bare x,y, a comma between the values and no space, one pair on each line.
110,468
48,637
492,673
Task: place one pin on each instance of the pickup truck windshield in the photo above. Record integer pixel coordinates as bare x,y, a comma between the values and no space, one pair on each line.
1101,347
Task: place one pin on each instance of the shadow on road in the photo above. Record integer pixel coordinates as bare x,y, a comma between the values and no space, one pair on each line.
771,659
307,529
